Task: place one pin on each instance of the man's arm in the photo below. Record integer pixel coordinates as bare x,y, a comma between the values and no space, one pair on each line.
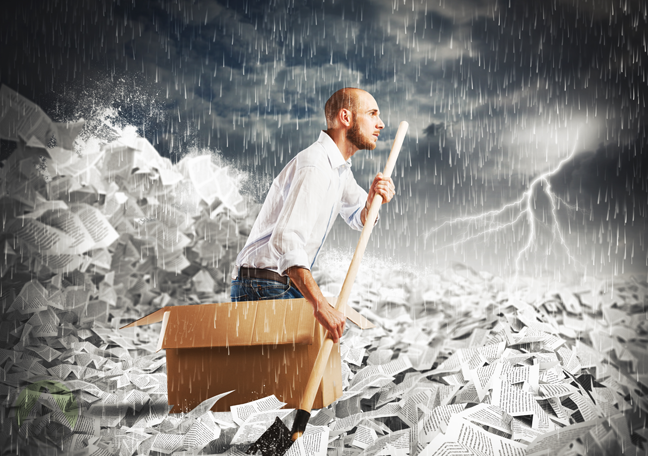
332,320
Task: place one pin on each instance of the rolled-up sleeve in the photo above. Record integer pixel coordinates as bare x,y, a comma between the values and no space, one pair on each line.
298,217
354,199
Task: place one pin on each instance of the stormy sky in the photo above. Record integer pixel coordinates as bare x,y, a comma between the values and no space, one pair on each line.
498,94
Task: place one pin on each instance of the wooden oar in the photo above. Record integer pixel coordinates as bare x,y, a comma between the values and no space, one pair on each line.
275,440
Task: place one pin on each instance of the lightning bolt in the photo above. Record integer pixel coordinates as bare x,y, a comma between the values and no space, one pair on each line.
524,205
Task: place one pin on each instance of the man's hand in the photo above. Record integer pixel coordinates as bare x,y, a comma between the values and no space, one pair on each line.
332,320
382,186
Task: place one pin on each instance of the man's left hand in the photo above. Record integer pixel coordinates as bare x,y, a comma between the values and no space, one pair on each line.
382,186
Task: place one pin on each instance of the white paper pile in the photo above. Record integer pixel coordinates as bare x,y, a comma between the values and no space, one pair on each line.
489,371
96,234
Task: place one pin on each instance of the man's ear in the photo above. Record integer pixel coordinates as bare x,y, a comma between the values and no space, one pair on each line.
345,117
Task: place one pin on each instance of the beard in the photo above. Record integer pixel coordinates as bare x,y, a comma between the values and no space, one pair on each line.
357,139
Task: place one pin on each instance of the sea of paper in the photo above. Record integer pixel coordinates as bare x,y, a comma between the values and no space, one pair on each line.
98,232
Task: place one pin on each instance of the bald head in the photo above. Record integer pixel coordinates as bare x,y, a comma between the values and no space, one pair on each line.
353,120
348,98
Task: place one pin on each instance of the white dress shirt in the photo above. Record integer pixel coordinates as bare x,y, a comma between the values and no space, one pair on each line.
300,209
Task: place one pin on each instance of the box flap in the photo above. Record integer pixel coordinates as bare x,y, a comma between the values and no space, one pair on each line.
352,314
154,317
233,324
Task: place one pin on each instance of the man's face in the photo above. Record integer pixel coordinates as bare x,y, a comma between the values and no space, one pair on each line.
366,124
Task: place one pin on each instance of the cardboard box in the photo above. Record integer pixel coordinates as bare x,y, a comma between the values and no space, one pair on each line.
254,348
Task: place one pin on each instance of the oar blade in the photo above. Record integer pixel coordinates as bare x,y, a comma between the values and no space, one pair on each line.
274,442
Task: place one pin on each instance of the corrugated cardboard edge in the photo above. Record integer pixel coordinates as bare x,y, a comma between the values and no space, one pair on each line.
165,321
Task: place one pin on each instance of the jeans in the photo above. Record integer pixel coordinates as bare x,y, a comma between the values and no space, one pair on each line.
261,290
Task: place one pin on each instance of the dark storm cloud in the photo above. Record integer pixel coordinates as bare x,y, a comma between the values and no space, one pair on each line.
612,181
186,51
546,61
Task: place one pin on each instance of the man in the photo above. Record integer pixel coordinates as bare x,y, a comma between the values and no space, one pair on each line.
301,206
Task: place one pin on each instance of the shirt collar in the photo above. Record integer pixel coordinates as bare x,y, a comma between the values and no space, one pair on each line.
332,151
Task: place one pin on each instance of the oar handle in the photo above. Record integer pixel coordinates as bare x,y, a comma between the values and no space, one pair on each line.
306,403
374,207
